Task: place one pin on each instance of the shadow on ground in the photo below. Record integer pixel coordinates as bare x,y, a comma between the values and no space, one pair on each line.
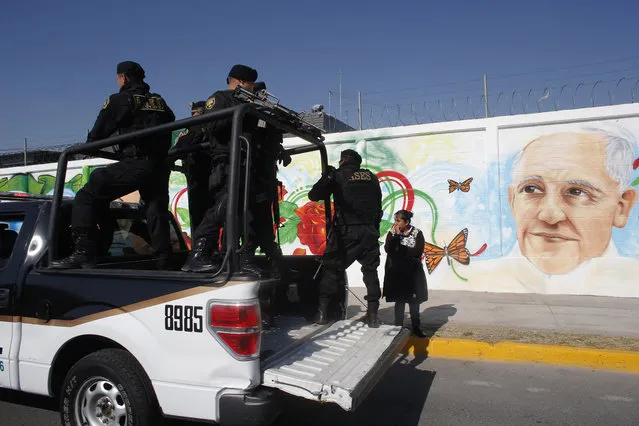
398,399
29,400
432,319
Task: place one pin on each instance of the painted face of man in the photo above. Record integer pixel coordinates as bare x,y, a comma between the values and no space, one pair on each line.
564,201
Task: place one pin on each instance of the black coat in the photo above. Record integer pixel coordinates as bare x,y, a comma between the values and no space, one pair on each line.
405,280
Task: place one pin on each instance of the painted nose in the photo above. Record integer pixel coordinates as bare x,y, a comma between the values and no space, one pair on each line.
551,209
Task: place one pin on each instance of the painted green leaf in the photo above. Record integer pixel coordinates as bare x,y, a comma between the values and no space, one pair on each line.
3,183
17,183
33,186
183,214
177,180
384,227
288,231
287,210
635,182
48,183
76,183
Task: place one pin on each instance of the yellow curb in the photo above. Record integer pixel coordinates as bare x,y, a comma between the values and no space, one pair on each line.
524,352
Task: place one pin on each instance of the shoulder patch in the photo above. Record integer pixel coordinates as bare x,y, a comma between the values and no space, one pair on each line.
210,102
106,103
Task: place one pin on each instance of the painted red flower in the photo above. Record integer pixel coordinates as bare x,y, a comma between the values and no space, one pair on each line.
299,252
281,192
187,239
275,227
312,227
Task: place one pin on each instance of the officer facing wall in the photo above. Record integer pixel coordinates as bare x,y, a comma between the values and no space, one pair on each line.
204,256
354,234
197,168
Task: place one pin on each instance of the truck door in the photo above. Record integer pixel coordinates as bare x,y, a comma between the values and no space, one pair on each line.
341,364
13,241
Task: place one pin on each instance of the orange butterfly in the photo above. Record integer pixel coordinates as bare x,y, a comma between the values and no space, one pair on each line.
464,186
456,249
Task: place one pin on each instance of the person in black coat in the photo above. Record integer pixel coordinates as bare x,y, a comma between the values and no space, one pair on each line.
405,280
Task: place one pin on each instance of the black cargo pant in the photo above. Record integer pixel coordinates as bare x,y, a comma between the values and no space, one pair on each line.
149,177
261,229
345,245
215,214
198,172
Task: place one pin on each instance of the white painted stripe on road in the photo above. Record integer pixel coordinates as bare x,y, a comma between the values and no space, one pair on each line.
537,390
617,398
482,383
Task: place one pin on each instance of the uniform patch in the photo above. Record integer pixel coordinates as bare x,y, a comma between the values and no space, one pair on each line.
152,103
210,102
106,103
361,176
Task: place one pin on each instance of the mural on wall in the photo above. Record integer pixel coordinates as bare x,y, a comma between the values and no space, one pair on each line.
551,210
567,201
546,209
42,184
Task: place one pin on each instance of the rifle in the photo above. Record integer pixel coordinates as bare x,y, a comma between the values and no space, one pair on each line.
271,105
276,209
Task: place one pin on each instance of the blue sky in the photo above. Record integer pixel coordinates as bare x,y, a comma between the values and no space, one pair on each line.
59,58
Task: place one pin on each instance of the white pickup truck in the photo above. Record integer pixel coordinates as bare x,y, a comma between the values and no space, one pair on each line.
125,344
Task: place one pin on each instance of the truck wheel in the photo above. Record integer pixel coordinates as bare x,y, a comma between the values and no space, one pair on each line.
108,387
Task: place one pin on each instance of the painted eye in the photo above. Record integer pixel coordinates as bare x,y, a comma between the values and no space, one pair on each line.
530,189
575,192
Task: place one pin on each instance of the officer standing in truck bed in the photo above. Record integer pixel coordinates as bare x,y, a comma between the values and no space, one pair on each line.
354,234
204,256
142,167
197,168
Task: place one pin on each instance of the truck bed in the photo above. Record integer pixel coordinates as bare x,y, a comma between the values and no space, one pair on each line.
287,332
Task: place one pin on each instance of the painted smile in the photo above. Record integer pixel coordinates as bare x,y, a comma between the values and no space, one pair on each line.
552,237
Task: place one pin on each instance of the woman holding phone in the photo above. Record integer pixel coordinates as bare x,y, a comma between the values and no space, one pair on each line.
405,280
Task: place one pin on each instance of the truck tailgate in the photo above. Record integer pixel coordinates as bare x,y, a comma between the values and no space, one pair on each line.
341,364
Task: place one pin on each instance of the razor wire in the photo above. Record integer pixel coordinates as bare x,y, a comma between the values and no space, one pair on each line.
625,90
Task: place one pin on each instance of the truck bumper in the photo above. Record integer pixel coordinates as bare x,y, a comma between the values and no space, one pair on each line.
259,407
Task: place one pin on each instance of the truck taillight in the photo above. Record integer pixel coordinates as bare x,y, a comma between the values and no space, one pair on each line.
237,326
235,316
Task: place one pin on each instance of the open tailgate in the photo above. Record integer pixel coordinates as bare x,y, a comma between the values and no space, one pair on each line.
341,364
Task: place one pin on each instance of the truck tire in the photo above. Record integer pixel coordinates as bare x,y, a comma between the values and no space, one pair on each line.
108,387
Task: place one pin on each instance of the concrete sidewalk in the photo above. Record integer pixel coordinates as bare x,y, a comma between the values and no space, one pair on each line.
574,330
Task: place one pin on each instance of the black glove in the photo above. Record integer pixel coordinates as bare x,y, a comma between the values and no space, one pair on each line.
329,173
284,158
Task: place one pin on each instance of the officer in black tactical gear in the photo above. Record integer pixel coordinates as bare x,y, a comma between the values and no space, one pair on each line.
197,168
267,151
354,234
142,167
205,256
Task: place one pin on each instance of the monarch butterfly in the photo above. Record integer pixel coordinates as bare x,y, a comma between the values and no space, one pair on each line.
464,186
456,249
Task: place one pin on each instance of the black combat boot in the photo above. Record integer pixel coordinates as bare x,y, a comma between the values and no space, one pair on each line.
415,322
322,311
275,270
200,259
248,267
371,318
83,255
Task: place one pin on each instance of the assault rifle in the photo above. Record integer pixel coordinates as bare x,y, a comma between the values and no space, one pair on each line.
271,106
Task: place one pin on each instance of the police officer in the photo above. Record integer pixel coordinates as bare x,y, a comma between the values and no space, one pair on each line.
197,168
204,256
354,234
267,150
142,167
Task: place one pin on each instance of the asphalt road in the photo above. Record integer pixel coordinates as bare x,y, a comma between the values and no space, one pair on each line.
437,392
